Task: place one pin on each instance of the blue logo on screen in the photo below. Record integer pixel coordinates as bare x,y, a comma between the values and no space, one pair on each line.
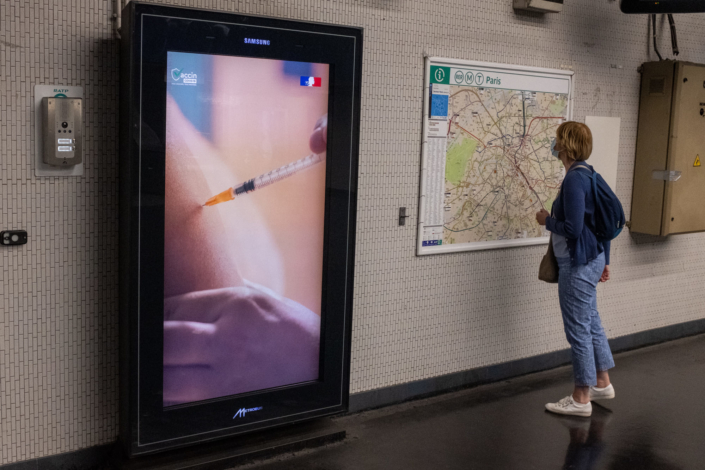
259,42
243,411
186,78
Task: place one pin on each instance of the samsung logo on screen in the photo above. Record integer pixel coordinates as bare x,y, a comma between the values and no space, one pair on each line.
260,42
243,411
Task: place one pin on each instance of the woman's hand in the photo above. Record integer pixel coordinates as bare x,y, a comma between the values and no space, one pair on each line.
541,216
605,274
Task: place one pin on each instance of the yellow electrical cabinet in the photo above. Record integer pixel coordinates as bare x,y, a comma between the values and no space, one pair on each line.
669,178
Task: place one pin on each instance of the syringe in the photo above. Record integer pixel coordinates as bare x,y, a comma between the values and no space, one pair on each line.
265,179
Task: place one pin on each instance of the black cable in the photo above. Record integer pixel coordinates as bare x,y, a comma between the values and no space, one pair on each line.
674,38
653,30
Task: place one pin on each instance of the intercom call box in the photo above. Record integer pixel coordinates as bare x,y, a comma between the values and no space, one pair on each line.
62,128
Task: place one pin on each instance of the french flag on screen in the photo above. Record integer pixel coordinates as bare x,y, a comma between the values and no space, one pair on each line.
310,81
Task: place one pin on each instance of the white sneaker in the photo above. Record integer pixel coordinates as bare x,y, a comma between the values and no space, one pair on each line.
602,393
568,406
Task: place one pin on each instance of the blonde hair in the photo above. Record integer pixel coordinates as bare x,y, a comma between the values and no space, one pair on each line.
576,139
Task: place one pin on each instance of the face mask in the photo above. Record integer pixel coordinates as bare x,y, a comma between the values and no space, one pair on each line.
553,149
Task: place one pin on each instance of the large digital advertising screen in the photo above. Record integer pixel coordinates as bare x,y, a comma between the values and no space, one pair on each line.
244,219
239,141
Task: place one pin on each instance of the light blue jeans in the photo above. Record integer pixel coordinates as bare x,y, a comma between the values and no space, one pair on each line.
577,293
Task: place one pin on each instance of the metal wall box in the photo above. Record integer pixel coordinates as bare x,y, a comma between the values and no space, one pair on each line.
545,6
669,179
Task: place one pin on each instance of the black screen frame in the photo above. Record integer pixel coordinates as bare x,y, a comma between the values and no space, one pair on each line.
662,6
148,33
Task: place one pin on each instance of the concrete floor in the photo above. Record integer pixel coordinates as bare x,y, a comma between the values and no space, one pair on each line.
656,421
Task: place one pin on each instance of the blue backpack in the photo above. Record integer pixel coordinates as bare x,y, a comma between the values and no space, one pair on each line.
608,218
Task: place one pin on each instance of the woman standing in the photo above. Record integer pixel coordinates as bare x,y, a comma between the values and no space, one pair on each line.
583,261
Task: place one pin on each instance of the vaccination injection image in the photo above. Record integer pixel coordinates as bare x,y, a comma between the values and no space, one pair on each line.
244,218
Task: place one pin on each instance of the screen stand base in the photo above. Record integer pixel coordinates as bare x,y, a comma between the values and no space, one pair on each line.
228,452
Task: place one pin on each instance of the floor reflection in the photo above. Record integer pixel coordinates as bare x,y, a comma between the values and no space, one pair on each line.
587,445
586,439
639,452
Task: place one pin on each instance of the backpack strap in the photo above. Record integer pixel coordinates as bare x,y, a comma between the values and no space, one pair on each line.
581,164
593,177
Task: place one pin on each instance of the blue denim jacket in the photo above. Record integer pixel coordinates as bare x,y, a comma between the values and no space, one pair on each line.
572,214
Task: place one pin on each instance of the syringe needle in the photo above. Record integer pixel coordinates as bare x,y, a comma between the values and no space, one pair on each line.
226,195
265,179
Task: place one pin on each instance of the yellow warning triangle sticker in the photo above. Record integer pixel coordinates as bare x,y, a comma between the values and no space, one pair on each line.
697,160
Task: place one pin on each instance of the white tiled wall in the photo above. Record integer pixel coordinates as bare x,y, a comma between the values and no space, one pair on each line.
414,317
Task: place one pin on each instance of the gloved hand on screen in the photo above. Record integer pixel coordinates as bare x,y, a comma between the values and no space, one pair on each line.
236,339
319,137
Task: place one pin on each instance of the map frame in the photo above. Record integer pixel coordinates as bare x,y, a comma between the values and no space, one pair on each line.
525,79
